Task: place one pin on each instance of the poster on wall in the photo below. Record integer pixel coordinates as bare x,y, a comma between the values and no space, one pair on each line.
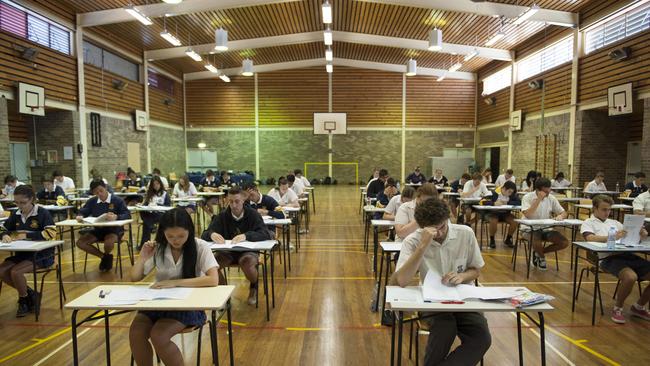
67,153
52,156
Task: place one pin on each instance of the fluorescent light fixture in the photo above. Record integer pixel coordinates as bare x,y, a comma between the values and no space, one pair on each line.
224,78
329,67
329,55
495,38
138,15
201,145
526,15
327,12
455,67
441,77
471,55
211,68
193,55
411,67
435,40
327,36
170,38
561,24
221,39
172,1
247,67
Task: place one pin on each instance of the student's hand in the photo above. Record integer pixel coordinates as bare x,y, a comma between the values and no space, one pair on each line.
558,218
453,279
163,284
111,216
217,238
79,218
428,233
6,239
542,195
239,238
20,236
643,233
263,211
620,234
148,249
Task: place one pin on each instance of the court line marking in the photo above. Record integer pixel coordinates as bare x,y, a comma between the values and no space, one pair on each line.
580,344
546,343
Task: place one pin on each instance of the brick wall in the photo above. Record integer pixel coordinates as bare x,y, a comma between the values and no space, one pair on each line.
370,149
5,167
503,161
422,145
284,151
167,150
645,145
235,149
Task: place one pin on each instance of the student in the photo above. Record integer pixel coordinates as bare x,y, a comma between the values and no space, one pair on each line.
225,178
405,218
377,185
238,223
453,253
541,204
49,192
506,177
628,267
597,185
264,204
528,183
96,175
209,183
283,195
11,182
374,176
438,179
457,187
636,186
390,191
487,175
133,183
560,181
180,260
303,179
155,196
416,177
474,188
641,204
115,209
295,185
29,222
407,195
507,196
156,173
60,180
184,189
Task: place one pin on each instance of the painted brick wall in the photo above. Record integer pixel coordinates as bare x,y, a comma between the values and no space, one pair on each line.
422,145
235,149
5,168
167,150
370,149
284,151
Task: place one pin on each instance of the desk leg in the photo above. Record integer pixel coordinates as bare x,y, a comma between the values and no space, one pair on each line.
107,335
575,278
73,244
400,321
130,248
286,231
272,278
542,338
378,283
37,306
230,346
75,353
476,228
383,302
375,244
596,288
519,344
119,256
366,230
392,339
288,246
60,276
313,200
529,254
266,288
213,336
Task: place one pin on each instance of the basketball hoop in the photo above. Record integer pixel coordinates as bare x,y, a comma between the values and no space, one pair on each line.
329,126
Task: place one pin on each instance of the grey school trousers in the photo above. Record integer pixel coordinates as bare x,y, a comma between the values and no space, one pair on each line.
474,334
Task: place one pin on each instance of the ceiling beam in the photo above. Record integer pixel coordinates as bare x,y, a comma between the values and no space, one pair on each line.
556,17
337,62
350,37
119,15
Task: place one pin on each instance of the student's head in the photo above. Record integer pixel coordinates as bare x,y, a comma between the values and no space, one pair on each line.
129,170
487,172
438,172
225,174
390,188
530,178
283,185
375,173
98,188
425,191
155,188
600,176
24,198
408,193
11,180
291,179
383,174
602,205
297,172
508,189
253,192
559,177
236,199
433,213
176,230
132,175
477,178
57,176
509,173
209,173
543,185
417,170
155,171
47,183
184,182
95,174
464,178
639,178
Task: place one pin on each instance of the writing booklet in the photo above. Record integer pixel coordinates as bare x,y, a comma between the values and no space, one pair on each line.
434,290
134,294
95,220
632,225
241,245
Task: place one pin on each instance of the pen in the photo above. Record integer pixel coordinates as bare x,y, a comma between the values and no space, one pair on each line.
453,302
104,293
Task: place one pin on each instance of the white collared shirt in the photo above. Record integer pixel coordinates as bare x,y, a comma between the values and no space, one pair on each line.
305,181
393,205
642,202
167,269
287,198
298,187
547,209
33,212
481,192
108,199
598,227
560,184
501,179
594,187
405,214
66,184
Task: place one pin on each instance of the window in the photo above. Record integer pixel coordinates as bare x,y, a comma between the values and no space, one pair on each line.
102,59
23,23
497,81
545,59
619,26
161,82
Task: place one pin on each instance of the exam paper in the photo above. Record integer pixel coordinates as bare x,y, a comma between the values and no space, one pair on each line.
131,295
434,290
632,225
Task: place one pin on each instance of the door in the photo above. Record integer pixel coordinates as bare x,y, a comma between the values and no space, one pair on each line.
19,157
633,159
495,159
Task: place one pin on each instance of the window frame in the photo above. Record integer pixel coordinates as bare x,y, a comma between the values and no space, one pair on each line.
617,16
508,67
102,67
543,58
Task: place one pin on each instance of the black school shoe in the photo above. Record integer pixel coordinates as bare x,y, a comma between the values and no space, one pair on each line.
33,299
109,262
23,307
493,244
508,242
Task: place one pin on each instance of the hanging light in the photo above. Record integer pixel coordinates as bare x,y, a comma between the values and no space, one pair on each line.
327,12
137,14
193,55
211,68
328,37
526,15
495,38
172,1
221,39
411,67
224,78
455,67
471,55
329,55
170,38
329,67
247,67
435,40
442,77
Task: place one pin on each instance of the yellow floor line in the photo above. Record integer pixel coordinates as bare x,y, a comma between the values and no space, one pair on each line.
580,344
233,323
307,329
34,345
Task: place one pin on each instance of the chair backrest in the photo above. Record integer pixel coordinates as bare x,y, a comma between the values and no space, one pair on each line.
584,214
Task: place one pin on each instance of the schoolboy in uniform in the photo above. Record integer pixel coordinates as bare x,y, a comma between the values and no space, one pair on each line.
407,195
505,177
475,188
60,180
209,183
303,179
507,196
49,192
405,218
11,182
284,195
416,177
636,186
438,178
597,185
641,204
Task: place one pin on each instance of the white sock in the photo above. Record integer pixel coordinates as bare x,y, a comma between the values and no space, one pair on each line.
617,308
638,307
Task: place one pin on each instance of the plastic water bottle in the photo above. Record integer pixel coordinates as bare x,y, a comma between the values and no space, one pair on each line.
611,238
618,187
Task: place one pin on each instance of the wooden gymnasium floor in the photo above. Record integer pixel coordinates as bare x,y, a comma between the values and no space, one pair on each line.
322,314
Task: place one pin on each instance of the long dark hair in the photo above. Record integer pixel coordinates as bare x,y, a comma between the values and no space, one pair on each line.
530,179
151,191
178,217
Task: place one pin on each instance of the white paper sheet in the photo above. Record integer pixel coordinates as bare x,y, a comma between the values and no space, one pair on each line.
632,224
134,294
434,290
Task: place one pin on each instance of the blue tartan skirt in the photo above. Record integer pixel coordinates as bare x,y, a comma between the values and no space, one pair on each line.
188,318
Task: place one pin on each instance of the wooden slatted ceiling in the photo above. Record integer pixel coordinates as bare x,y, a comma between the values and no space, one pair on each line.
597,71
100,92
289,98
54,71
498,111
213,103
557,91
172,113
428,102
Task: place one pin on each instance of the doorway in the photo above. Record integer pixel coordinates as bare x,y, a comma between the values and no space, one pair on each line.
495,159
19,158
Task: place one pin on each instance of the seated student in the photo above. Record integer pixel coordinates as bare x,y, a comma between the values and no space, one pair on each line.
628,267
295,185
29,222
474,188
377,185
541,204
265,205
560,181
225,179
438,179
209,183
155,196
507,196
60,180
390,190
416,177
132,183
505,177
184,189
487,175
115,209
284,195
96,175
528,184
49,192
636,186
11,182
407,195
457,187
374,176
303,179
156,173
597,185
180,260
641,204
453,253
238,223
405,218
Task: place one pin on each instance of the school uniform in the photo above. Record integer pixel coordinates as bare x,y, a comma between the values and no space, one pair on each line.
405,214
564,183
39,226
374,188
133,183
441,180
481,192
547,209
524,186
95,207
416,178
191,192
635,190
9,190
393,205
594,187
66,184
512,200
164,181
642,202
283,200
304,180
167,269
149,219
212,183
270,204
501,180
298,187
45,195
